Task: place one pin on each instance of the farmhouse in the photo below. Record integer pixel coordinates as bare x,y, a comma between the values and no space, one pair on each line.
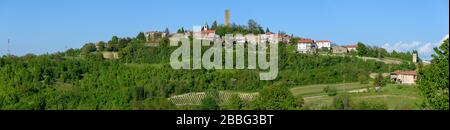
283,38
264,38
274,38
404,77
306,46
351,48
110,55
154,37
323,44
338,49
209,35
204,33
179,36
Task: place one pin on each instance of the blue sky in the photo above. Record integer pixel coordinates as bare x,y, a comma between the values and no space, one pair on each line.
41,26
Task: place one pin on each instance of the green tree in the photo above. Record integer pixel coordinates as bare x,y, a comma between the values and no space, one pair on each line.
209,103
363,76
433,80
254,27
167,32
379,80
294,40
362,49
141,37
300,101
331,91
88,48
341,102
277,97
214,25
181,30
101,46
115,40
267,30
236,102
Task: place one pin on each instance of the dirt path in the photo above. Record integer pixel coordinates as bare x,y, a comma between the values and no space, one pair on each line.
351,91
385,96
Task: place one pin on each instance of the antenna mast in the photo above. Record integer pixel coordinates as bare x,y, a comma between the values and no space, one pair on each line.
8,50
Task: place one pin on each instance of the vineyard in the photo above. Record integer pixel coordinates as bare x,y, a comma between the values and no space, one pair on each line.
196,98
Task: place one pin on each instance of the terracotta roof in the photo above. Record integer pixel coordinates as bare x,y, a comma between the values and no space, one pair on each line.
409,72
305,41
281,36
351,46
209,31
323,41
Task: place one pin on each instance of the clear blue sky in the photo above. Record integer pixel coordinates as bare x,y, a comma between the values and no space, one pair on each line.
41,26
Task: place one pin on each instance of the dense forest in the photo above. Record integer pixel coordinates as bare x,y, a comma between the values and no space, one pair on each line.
143,79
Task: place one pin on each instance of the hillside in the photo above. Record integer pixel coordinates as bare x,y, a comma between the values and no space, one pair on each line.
141,77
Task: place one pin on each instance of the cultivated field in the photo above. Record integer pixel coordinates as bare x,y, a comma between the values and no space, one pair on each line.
396,97
196,98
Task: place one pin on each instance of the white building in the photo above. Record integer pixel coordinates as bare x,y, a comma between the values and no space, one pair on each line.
179,36
284,38
351,48
306,46
404,77
210,35
323,44
205,34
414,58
240,39
252,39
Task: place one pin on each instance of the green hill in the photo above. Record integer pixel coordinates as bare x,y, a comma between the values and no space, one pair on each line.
142,78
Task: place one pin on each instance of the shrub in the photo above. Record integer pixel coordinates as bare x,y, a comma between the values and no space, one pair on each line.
364,105
209,103
341,102
277,97
331,91
300,102
400,86
235,102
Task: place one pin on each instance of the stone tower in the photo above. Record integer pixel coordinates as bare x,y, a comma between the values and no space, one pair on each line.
227,17
414,58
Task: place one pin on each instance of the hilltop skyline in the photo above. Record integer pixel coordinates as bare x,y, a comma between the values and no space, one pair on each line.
49,25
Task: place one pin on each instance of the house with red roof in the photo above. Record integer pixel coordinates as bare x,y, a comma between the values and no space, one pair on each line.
206,34
323,44
274,38
306,46
351,48
404,77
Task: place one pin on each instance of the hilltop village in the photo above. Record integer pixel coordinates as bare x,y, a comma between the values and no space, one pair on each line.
301,45
135,73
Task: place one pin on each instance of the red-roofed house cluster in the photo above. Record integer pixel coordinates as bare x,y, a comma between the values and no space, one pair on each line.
306,45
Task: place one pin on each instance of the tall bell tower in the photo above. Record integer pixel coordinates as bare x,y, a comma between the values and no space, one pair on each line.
227,17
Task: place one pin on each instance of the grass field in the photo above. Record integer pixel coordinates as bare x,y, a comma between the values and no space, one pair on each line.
317,90
396,97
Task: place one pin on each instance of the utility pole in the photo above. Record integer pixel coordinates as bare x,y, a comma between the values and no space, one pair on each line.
8,50
65,52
